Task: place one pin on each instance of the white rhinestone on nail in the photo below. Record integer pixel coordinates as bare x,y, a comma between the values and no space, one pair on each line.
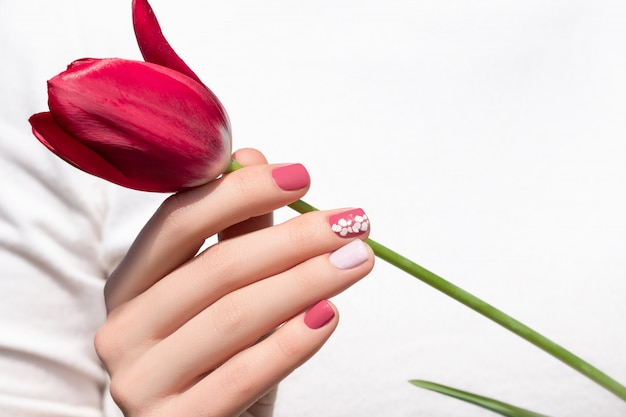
345,227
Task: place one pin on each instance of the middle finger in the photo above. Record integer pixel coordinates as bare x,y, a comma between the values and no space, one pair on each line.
236,263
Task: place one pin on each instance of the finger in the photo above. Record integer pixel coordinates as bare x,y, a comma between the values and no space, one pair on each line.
240,318
248,157
247,226
244,378
224,268
181,225
264,406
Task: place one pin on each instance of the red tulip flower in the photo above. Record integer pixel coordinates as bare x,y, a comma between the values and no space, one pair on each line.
150,126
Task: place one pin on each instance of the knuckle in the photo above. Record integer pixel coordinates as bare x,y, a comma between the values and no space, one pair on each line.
106,344
290,348
111,340
120,391
128,389
240,380
173,211
307,278
230,314
249,182
302,231
217,260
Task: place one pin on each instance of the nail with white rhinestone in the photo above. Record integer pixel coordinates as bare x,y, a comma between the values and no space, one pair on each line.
350,223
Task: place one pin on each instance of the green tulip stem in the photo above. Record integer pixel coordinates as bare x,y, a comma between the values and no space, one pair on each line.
483,308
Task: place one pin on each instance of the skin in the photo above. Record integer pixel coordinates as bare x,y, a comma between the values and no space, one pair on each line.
212,334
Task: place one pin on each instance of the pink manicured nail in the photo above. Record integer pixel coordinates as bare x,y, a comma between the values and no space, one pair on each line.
350,223
350,255
320,314
291,177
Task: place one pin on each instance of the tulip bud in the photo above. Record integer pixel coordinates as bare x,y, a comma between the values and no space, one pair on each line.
136,124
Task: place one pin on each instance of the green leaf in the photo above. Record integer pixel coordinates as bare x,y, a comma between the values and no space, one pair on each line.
490,404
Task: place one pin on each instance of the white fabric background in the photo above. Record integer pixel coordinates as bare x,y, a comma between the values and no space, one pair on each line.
485,139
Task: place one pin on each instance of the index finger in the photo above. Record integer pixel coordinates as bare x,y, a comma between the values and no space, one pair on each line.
185,220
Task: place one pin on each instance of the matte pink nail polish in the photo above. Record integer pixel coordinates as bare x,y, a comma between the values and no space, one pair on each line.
291,177
320,314
350,223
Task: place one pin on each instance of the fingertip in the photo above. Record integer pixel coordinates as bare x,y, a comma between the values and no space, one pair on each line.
249,156
291,177
320,315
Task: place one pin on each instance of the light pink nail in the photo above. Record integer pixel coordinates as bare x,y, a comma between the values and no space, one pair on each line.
350,255
319,315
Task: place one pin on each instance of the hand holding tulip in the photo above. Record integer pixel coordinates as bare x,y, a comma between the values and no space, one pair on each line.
193,335
182,331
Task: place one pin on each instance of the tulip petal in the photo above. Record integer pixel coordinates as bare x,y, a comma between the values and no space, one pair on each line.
153,45
159,128
69,149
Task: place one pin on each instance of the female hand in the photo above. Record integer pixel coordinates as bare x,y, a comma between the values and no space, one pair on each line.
212,334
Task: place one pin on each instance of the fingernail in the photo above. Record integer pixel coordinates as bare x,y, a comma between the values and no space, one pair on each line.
291,177
350,223
350,255
320,314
